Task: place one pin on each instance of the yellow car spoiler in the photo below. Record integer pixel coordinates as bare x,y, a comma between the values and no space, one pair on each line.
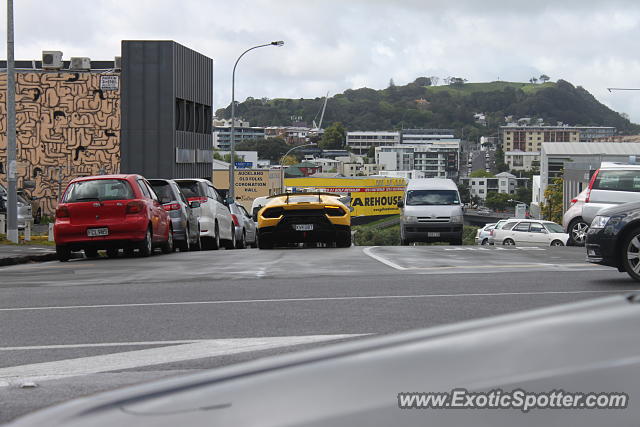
305,193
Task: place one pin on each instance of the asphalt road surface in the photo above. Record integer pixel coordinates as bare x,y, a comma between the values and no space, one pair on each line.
72,329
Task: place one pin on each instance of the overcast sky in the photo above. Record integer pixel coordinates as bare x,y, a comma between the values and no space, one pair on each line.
334,45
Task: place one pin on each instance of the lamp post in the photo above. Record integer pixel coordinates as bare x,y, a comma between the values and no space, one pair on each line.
12,196
285,155
231,194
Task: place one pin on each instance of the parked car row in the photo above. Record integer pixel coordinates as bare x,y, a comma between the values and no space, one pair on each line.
131,213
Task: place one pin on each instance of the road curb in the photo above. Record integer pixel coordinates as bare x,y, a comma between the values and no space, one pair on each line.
25,259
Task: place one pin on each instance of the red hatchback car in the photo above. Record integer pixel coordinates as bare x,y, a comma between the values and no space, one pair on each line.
111,212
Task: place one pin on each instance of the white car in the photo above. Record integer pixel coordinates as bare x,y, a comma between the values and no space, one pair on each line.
482,235
532,232
216,223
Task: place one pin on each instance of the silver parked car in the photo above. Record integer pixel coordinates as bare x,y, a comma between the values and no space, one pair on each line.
482,235
186,229
245,228
24,208
573,223
613,184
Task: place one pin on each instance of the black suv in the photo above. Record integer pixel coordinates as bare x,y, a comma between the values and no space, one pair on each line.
614,238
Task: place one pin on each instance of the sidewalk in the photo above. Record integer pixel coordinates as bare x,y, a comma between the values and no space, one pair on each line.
22,254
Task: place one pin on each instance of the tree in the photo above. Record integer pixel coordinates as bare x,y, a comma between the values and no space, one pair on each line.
523,194
391,83
481,174
543,78
268,149
434,80
465,193
422,81
498,201
333,137
533,80
500,165
551,209
289,160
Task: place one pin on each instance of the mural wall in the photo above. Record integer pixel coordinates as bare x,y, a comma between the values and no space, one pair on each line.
66,127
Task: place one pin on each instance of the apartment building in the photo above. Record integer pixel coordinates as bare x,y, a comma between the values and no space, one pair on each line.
242,132
530,138
481,187
439,159
522,160
361,141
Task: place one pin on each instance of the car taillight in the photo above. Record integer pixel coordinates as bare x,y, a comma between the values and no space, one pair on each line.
171,207
62,212
135,207
235,219
573,201
491,233
202,200
334,211
593,179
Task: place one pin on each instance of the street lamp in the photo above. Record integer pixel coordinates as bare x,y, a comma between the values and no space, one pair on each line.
285,155
231,193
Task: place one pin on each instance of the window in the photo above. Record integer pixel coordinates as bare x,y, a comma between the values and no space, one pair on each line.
143,188
618,180
537,228
554,228
98,190
432,197
151,192
522,227
185,155
509,225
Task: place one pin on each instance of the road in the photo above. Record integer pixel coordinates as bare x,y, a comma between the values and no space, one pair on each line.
76,328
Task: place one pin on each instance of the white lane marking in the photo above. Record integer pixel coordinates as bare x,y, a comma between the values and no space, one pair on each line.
102,344
153,356
369,252
316,299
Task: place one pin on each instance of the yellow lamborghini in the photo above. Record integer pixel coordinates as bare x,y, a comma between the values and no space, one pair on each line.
311,217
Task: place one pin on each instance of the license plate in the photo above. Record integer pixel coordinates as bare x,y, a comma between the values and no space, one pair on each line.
433,234
303,227
94,232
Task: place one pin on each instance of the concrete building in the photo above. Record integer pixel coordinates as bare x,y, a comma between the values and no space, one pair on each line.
248,157
530,138
414,174
584,158
522,160
360,142
222,134
425,136
439,159
148,112
326,165
503,182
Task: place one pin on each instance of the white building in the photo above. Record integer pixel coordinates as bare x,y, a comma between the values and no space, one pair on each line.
425,136
242,132
556,157
438,159
414,174
522,160
361,141
245,156
326,165
503,182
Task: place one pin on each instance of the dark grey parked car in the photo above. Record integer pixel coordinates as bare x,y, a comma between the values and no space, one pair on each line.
245,228
186,228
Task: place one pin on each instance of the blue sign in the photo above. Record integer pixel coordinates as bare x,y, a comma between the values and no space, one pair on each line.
243,165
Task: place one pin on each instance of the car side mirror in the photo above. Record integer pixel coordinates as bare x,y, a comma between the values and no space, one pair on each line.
255,213
401,203
194,204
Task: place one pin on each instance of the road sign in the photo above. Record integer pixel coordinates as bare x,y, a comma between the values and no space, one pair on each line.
243,165
109,82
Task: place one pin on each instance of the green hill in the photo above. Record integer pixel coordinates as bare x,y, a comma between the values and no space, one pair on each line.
418,105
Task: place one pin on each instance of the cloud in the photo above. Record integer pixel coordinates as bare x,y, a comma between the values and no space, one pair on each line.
335,45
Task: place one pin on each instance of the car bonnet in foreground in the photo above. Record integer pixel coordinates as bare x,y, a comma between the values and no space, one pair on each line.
589,346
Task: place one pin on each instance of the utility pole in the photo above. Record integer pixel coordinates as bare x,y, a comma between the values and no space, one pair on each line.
12,196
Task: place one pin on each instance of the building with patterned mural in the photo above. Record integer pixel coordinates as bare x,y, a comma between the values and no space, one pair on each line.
69,124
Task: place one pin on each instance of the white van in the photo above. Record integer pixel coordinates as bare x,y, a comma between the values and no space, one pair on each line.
431,211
